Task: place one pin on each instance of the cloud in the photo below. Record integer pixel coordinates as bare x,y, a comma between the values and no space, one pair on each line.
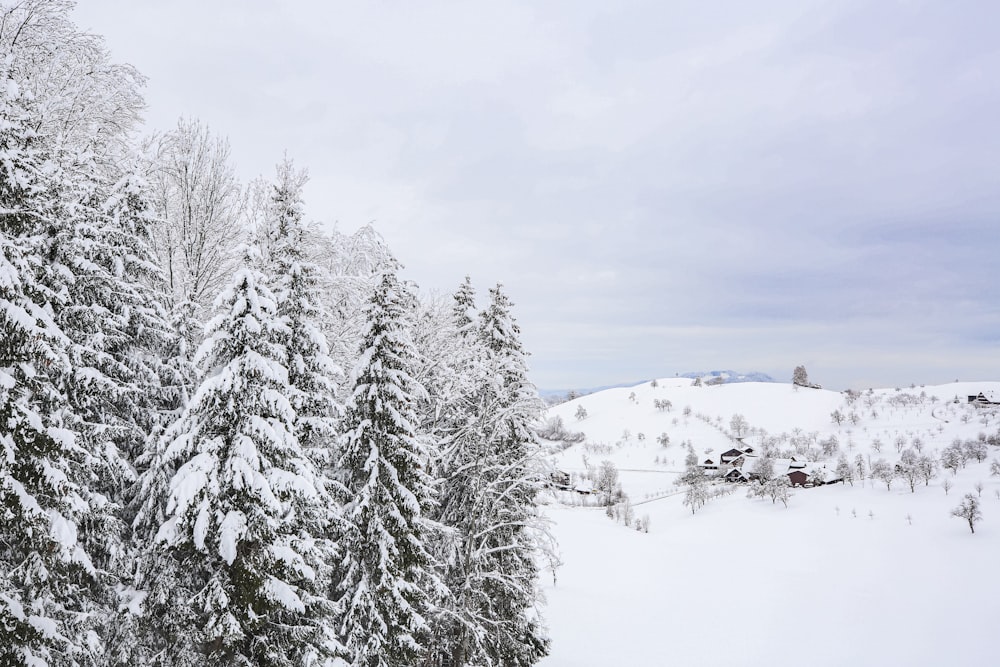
662,186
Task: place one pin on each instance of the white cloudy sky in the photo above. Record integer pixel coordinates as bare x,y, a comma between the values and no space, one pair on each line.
661,186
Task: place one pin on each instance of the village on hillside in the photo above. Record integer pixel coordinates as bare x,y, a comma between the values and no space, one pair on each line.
742,465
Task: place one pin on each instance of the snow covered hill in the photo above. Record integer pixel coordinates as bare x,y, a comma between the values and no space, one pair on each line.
854,574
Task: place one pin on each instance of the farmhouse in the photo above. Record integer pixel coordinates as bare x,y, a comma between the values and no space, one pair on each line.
731,455
736,476
981,400
560,479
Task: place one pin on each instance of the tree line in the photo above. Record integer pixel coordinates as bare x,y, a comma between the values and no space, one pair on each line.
228,437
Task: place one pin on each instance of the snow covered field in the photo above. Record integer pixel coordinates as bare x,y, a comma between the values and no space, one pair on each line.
856,575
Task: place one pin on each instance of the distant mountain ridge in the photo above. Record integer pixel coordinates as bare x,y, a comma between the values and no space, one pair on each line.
556,396
730,377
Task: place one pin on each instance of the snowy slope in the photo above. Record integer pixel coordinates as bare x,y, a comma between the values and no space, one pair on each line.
856,575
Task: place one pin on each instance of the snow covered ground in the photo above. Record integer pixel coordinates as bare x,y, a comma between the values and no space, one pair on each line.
856,575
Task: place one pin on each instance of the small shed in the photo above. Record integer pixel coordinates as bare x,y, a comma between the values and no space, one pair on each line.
798,477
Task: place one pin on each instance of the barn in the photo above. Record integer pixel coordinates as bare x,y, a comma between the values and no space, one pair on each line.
798,477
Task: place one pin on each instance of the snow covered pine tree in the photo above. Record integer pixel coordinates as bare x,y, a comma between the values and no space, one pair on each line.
233,571
492,472
48,584
387,575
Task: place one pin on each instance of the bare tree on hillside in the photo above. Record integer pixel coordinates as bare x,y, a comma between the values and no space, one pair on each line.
885,472
969,510
738,425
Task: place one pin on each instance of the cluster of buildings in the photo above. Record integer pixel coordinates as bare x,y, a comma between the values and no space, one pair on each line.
740,465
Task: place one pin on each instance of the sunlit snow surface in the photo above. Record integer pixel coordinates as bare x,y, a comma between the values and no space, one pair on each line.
840,577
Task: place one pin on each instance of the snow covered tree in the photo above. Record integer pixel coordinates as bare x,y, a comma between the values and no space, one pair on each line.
738,425
236,572
119,329
763,468
910,468
953,457
860,467
188,331
696,494
350,266
974,449
928,468
693,472
49,583
51,594
492,472
969,510
844,470
84,102
884,471
197,202
97,275
799,377
779,488
296,285
607,483
386,568
464,308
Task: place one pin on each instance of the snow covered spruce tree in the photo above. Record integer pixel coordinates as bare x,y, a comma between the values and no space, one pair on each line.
296,286
234,576
464,308
491,472
50,591
387,578
97,279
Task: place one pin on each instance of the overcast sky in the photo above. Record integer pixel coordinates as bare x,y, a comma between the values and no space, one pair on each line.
661,186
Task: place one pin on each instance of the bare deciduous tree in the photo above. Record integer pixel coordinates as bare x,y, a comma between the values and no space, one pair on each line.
198,204
969,510
738,425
